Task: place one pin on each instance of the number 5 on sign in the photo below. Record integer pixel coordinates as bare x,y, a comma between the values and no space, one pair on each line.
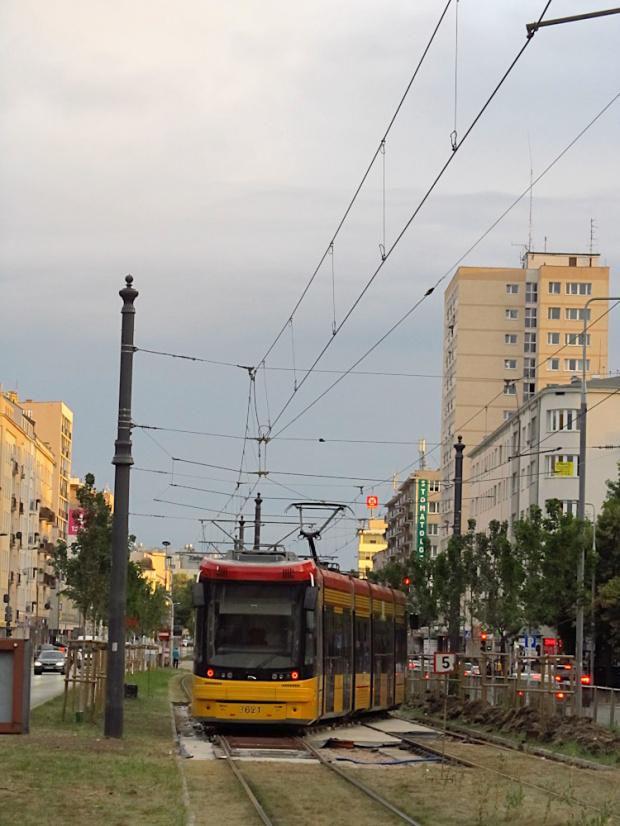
444,663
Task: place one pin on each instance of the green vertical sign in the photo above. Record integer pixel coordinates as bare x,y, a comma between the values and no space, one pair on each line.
422,514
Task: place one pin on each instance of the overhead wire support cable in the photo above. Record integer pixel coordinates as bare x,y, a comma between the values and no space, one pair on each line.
363,181
412,218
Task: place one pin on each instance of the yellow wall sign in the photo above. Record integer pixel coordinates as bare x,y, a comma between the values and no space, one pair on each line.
564,468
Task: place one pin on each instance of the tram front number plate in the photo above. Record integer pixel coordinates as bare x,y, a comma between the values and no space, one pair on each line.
266,711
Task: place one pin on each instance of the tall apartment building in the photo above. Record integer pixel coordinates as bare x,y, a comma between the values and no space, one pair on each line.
54,424
508,333
371,541
413,514
27,524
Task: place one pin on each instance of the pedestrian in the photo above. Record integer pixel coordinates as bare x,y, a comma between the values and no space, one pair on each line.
175,657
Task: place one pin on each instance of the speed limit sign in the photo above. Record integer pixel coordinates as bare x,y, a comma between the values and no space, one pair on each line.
444,663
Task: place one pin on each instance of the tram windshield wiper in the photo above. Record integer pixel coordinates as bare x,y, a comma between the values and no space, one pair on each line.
270,657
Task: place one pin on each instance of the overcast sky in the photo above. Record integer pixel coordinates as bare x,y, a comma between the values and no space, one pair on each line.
210,150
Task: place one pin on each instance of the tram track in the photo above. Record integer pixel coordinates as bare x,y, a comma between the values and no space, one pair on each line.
296,745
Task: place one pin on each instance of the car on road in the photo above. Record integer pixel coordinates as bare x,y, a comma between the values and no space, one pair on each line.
50,661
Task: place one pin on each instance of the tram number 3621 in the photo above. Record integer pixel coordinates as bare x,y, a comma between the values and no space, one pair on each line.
250,709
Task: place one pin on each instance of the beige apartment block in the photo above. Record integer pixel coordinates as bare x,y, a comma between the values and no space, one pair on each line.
508,333
371,542
54,423
27,525
413,514
534,456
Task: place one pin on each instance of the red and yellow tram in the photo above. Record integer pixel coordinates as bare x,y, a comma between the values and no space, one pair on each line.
283,640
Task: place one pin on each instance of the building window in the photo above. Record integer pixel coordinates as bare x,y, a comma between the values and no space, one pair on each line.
432,529
572,260
529,390
553,338
576,288
512,314
567,419
553,313
507,414
558,466
529,368
512,289
530,316
531,292
553,364
433,486
530,343
577,314
576,339
510,390
576,365
433,507
555,288
510,364
510,338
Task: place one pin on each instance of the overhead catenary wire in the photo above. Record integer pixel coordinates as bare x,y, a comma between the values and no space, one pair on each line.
408,223
362,182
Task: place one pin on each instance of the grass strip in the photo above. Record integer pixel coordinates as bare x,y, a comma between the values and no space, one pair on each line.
65,772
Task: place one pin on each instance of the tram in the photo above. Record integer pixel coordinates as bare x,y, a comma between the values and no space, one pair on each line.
289,641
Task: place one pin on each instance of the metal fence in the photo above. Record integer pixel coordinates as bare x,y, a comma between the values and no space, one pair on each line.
548,685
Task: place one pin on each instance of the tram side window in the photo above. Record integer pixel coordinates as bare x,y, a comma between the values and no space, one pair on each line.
401,647
382,646
328,634
310,647
199,642
362,645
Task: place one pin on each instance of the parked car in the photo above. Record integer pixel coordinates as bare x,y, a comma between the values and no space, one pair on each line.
471,670
50,661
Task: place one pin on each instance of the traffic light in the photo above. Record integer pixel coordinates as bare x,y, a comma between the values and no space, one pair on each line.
483,642
8,614
407,581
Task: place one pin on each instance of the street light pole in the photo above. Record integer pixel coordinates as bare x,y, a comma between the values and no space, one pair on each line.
120,526
581,508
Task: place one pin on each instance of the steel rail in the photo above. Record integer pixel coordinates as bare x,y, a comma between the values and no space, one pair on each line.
376,797
254,800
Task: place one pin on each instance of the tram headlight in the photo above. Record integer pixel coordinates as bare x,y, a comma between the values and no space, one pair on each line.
210,672
294,675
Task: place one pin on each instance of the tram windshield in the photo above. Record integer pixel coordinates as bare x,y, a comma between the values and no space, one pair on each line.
253,625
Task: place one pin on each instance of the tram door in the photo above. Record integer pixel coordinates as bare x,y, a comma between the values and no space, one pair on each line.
338,665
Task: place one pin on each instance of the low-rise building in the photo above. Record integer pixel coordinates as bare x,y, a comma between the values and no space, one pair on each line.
371,542
534,455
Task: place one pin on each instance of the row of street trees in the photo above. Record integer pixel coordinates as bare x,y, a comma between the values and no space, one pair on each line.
85,570
527,581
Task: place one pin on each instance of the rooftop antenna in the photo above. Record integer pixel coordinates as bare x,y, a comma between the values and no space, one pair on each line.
422,452
592,228
529,243
395,481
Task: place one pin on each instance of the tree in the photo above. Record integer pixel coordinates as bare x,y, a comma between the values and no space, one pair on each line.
608,579
147,609
183,601
550,548
86,567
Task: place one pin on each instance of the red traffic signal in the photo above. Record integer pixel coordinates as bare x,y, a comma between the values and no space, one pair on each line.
483,636
407,581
